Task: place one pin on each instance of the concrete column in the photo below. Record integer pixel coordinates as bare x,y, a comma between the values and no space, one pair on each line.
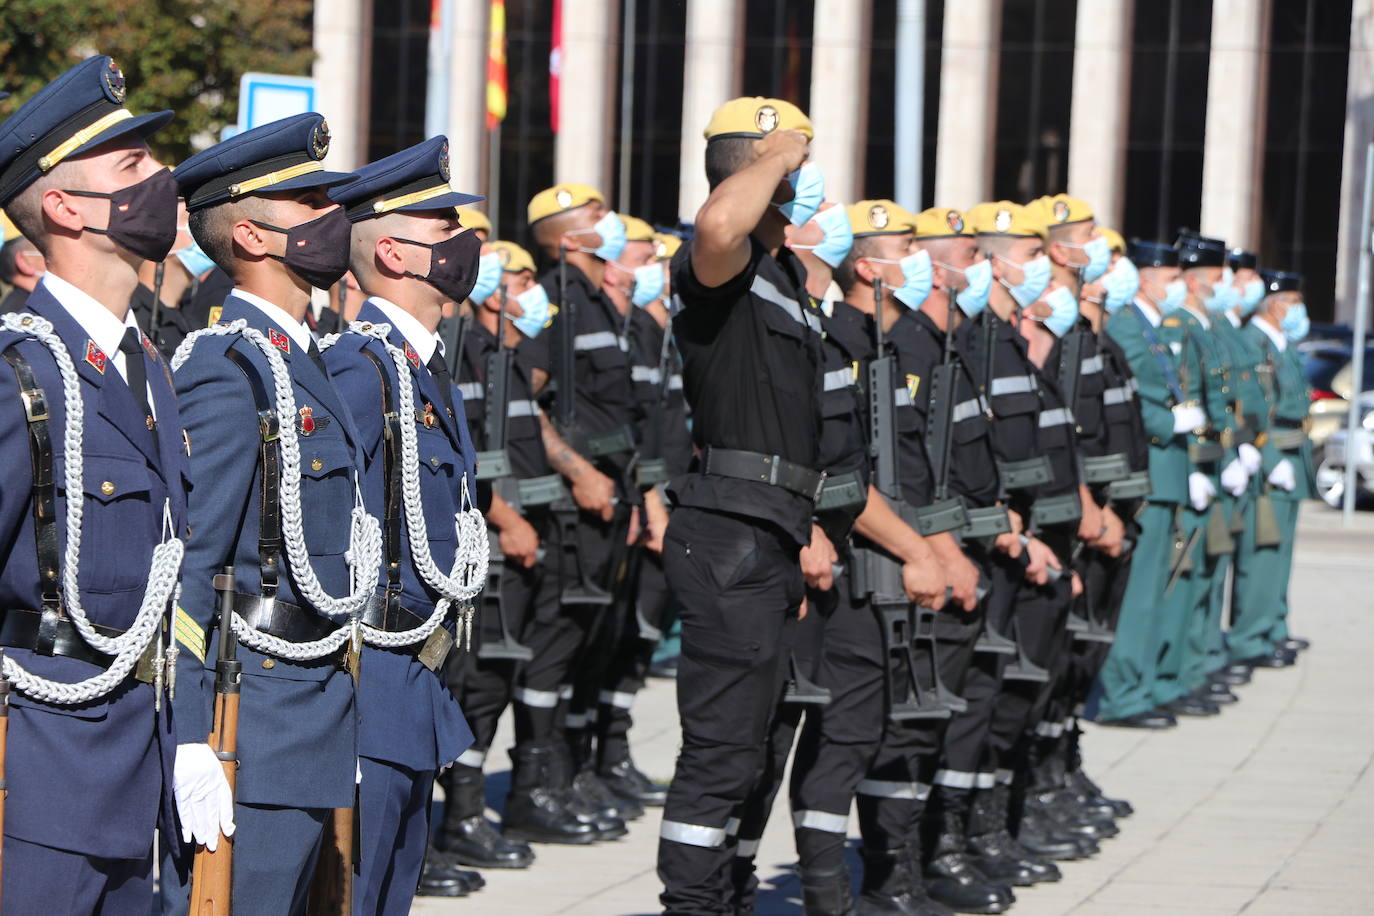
585,114
711,76
1359,130
839,85
968,102
467,97
342,72
1233,155
1100,104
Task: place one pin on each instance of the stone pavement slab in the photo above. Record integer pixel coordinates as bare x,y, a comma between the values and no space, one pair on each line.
1265,810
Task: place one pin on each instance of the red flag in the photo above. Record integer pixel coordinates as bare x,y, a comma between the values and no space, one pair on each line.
555,62
496,65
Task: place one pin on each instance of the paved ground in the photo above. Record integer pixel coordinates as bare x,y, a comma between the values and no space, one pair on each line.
1266,810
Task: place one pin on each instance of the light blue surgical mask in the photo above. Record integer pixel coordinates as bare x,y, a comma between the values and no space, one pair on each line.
1064,311
648,284
916,279
1122,282
1295,323
1251,297
612,232
1099,252
1223,293
973,298
534,302
1035,277
194,259
1175,292
488,277
808,193
839,236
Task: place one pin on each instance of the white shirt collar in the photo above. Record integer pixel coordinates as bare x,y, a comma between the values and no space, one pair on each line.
1202,318
95,319
409,327
296,329
1147,308
1275,335
1233,318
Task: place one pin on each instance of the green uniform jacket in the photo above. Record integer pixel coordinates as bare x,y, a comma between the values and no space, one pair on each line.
1168,452
1251,406
1192,343
1291,399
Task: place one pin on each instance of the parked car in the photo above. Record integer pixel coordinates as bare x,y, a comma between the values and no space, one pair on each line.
1327,365
1339,449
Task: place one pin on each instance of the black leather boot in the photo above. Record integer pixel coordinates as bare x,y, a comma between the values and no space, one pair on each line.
536,810
627,781
826,893
1048,791
441,877
950,877
1084,787
892,886
605,820
465,833
593,788
992,848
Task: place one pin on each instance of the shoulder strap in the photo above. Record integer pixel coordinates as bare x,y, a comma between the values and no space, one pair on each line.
1157,348
269,517
391,471
44,500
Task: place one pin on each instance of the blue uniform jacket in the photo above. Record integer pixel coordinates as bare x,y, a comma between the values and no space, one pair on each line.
297,722
89,779
407,715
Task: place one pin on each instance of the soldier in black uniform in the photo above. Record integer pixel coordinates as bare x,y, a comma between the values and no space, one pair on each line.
751,368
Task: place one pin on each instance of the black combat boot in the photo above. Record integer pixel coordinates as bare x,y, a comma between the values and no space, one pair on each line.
605,819
1083,785
892,886
1049,793
465,833
993,849
826,893
536,810
627,781
951,877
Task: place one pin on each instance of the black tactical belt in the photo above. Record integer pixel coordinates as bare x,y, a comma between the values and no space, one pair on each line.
1205,452
493,464
1287,440
1056,510
842,492
282,619
48,633
770,469
986,522
1098,469
540,491
942,516
650,472
1018,475
1135,485
618,441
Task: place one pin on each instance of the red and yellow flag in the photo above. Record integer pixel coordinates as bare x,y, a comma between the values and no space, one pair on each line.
496,65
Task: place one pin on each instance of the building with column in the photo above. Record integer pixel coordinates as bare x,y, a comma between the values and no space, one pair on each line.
1245,119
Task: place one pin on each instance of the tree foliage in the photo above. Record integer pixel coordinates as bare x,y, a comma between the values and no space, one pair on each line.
186,55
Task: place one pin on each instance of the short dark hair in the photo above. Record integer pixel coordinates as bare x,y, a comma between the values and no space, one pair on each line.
211,227
725,156
9,254
846,275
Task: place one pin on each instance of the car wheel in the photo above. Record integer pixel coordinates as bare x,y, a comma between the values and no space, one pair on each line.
1331,484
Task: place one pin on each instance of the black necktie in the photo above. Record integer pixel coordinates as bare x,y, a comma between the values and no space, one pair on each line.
132,348
438,367
313,351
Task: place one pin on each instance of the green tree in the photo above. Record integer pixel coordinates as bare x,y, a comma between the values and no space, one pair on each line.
186,55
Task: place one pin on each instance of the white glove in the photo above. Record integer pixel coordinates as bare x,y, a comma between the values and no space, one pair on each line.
1188,418
205,805
1250,459
1234,477
357,772
1200,490
1283,477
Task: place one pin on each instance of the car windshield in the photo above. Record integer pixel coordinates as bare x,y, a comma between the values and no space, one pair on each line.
1322,365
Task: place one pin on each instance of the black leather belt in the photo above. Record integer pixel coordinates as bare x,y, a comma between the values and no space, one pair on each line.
282,619
773,470
48,633
392,617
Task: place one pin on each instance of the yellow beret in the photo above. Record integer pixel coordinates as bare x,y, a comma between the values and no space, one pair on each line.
879,217
942,223
666,245
561,197
1003,217
1114,239
513,258
756,117
473,219
1060,210
636,230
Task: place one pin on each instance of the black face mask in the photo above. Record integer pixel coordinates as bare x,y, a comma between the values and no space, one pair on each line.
317,250
452,264
143,216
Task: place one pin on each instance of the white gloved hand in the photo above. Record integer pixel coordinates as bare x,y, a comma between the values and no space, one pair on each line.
205,804
1200,491
1188,418
1250,459
1234,477
357,772
1283,477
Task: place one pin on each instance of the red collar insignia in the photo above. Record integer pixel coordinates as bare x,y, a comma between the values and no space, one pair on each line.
96,357
279,340
412,355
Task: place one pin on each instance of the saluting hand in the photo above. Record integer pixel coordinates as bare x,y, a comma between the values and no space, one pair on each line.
790,146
